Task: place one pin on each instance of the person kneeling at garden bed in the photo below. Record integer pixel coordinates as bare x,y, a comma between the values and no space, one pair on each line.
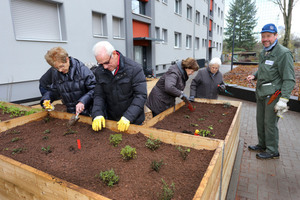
72,81
121,89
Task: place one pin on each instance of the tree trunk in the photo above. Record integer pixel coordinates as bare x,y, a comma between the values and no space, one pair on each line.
287,17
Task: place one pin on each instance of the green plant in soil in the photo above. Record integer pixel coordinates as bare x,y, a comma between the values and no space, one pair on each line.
45,138
186,116
15,111
47,131
18,150
47,150
210,127
69,132
128,152
156,165
183,152
227,105
220,121
46,119
115,139
205,133
211,111
201,119
15,139
194,125
108,177
15,132
167,192
153,144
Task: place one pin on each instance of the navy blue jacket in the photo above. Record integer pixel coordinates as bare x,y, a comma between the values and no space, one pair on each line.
122,94
74,87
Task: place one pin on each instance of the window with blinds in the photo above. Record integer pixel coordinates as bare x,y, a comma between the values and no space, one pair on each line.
118,27
99,24
37,20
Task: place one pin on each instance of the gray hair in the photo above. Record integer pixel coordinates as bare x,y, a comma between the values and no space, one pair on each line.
103,44
215,61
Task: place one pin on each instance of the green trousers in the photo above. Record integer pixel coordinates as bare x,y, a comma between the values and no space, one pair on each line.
266,121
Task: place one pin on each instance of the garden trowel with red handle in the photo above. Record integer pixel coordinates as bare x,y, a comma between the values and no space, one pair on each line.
190,106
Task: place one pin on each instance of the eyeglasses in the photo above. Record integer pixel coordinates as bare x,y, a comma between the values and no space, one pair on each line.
107,62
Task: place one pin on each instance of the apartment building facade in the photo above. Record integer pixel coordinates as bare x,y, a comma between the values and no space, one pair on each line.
151,32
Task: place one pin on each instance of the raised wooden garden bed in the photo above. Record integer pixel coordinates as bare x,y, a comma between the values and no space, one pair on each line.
230,141
20,181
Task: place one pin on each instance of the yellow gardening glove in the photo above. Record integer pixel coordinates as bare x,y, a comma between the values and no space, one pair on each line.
98,123
47,105
123,124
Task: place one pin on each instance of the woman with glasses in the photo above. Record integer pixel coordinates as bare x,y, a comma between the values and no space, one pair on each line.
72,81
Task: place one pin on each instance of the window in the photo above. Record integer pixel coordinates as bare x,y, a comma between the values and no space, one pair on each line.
222,14
157,32
138,7
197,17
220,46
215,25
38,20
218,11
204,19
165,35
217,46
177,40
118,27
189,12
215,7
164,67
197,43
178,7
221,31
218,29
156,68
188,43
99,24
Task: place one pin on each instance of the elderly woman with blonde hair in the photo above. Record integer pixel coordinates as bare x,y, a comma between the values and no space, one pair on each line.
208,82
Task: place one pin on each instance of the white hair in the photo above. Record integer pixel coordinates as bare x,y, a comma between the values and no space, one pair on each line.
215,61
103,44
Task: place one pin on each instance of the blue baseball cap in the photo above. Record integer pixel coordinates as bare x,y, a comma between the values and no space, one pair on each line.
271,28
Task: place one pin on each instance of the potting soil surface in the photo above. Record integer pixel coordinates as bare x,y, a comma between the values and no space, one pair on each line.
137,180
215,118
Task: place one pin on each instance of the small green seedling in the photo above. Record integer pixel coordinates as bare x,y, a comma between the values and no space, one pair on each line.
47,150
194,125
167,192
15,139
156,165
183,152
152,144
18,150
108,177
45,138
210,127
46,119
47,131
201,119
115,139
128,152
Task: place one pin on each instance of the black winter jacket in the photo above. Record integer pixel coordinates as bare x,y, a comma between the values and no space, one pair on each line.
123,94
167,88
74,87
205,84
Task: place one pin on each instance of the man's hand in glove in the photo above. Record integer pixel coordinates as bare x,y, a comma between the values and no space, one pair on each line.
281,106
192,98
98,123
222,88
123,124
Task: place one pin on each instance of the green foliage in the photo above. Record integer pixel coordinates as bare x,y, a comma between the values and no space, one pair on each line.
18,150
108,177
210,127
69,132
15,111
15,139
205,133
45,138
47,149
153,144
47,131
226,105
167,192
183,152
242,13
128,152
46,119
157,165
201,119
115,139
194,125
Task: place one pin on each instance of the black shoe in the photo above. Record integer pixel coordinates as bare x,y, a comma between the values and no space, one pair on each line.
266,155
256,148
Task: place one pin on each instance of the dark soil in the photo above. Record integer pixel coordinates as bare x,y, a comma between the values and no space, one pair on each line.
137,179
217,116
5,116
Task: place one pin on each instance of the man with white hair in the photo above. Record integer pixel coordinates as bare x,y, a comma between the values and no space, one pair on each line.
121,89
208,82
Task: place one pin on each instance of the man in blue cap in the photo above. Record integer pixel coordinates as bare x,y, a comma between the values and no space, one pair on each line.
275,81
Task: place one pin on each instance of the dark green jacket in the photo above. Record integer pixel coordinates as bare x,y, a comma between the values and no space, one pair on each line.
275,72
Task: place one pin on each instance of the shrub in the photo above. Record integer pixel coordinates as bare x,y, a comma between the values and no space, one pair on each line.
128,152
115,139
167,192
153,144
108,177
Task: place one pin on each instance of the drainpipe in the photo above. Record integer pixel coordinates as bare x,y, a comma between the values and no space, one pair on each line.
194,27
